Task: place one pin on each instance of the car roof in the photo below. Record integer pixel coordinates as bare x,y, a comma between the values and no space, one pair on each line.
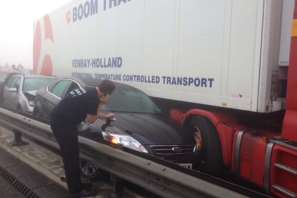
37,76
31,75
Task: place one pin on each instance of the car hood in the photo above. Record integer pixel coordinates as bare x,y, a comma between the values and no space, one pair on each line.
151,129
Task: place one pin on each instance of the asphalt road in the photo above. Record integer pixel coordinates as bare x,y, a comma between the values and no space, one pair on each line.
41,169
17,179
7,190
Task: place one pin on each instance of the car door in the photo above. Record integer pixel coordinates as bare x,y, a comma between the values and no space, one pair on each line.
7,86
55,95
14,97
10,92
74,85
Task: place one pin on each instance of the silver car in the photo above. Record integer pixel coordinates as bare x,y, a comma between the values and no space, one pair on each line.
19,90
2,77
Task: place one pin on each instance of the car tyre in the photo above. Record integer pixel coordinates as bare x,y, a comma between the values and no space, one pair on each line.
207,150
89,170
19,110
37,114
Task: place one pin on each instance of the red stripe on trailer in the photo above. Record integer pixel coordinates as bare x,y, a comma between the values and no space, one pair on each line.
36,47
48,29
47,66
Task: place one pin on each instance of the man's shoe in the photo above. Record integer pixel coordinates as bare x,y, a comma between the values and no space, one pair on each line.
88,193
87,186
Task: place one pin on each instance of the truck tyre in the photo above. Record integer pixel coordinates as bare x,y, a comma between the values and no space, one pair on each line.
207,150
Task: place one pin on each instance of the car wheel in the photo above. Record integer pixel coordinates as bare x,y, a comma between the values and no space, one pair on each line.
19,110
207,149
37,114
88,169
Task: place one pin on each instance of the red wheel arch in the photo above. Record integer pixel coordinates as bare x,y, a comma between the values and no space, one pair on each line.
48,29
225,125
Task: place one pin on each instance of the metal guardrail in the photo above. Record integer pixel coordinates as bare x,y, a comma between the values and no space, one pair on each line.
154,177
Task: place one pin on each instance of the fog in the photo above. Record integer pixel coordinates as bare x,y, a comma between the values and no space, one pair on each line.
16,28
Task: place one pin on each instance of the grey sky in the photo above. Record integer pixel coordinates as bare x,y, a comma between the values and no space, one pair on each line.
16,28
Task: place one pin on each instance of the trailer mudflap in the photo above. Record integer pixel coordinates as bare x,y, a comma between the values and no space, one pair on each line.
250,154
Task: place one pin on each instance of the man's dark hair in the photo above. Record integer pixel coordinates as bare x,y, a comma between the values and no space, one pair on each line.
106,87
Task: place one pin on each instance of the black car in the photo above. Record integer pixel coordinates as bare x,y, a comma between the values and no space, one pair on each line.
140,124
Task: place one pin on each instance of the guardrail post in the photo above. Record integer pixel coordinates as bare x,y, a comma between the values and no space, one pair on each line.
117,187
18,141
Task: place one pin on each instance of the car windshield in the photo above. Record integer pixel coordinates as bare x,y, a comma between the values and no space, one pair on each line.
35,83
130,100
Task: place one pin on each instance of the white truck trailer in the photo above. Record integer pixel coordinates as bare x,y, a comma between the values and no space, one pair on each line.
222,53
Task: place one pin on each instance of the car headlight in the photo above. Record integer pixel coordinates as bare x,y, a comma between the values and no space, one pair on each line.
125,141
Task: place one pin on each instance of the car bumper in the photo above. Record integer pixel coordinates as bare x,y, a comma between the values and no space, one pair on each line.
173,153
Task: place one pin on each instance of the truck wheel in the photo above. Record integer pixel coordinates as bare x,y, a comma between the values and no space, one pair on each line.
207,150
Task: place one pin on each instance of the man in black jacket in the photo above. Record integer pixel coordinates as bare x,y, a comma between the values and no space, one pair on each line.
77,106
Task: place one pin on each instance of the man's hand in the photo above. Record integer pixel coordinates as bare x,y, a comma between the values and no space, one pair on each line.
91,118
109,116
106,116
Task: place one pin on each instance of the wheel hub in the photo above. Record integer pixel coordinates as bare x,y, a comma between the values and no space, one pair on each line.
89,169
198,139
